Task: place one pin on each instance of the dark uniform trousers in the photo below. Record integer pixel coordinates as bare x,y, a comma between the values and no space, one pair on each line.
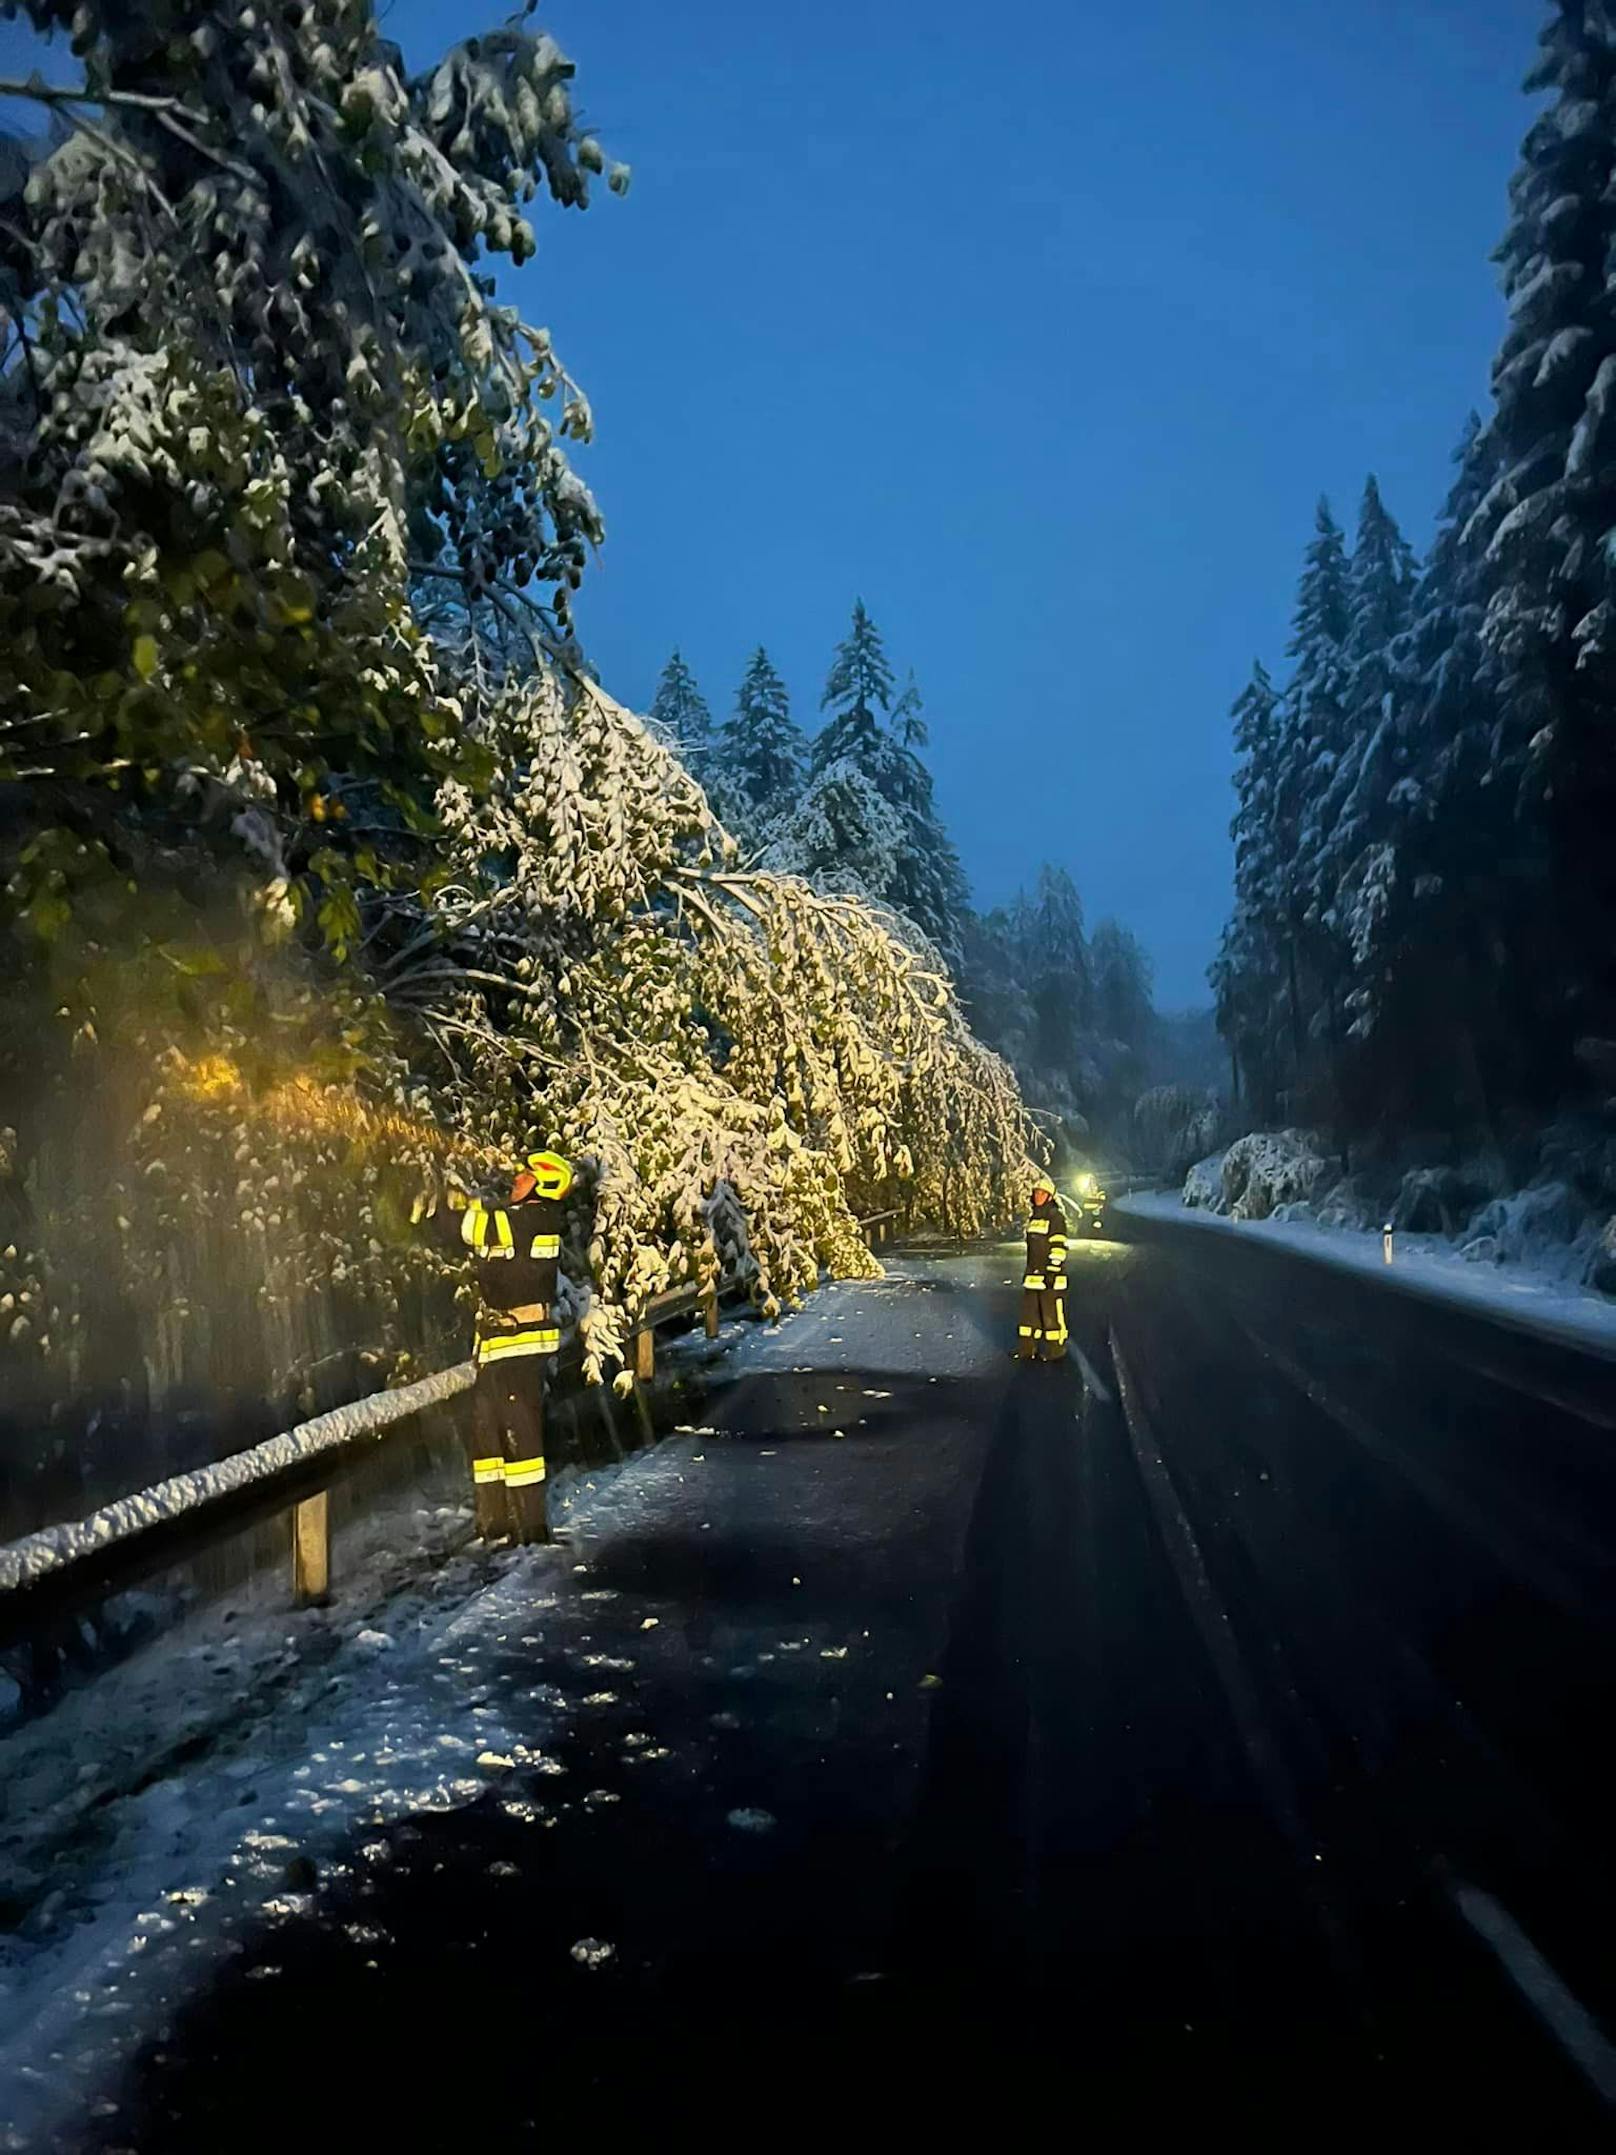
1041,1331
507,1450
518,1249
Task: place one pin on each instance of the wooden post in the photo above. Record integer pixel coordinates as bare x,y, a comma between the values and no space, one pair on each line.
709,1314
645,1355
311,1549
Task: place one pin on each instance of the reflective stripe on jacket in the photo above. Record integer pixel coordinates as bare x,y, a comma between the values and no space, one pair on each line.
1046,1249
517,1250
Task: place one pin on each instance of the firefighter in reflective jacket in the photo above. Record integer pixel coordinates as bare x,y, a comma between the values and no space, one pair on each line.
1042,1330
517,1249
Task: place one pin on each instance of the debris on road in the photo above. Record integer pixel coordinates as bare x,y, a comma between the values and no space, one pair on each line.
749,1820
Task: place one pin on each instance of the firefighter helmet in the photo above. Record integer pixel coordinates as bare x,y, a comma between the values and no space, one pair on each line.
542,1174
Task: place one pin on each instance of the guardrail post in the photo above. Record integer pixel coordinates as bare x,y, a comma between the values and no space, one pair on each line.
311,1549
709,1314
645,1354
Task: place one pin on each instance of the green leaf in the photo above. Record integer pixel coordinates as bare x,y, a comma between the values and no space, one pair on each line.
146,656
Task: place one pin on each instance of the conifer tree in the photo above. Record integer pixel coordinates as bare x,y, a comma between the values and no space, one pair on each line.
1122,980
1311,726
761,746
1452,998
903,855
1248,975
907,721
1355,861
857,688
1548,518
680,709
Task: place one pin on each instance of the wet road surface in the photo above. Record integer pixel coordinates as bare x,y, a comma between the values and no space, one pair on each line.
1210,1729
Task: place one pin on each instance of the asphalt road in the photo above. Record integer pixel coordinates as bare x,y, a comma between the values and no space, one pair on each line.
1210,1731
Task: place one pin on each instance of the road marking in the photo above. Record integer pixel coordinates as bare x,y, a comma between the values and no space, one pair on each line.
1567,2020
1210,1617
1091,1377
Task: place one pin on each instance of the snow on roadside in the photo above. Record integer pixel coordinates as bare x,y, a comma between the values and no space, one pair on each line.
168,1809
163,1813
1428,1265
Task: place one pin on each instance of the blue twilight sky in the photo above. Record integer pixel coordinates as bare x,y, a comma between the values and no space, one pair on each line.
1040,326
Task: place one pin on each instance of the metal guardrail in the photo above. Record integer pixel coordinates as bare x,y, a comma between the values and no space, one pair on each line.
62,1570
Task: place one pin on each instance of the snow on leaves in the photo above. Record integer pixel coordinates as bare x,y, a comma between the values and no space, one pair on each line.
597,967
256,383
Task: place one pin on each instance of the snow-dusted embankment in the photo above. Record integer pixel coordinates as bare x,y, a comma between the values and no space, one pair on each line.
1423,1265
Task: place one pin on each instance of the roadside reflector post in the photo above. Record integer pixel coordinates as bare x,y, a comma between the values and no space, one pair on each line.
1386,1241
311,1549
709,1314
645,1354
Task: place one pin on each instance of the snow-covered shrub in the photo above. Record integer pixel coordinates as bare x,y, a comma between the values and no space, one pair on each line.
1347,1204
1203,1185
1544,1226
1601,1272
1267,1169
1437,1200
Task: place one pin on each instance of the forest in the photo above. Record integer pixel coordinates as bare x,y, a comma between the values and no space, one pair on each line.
1421,961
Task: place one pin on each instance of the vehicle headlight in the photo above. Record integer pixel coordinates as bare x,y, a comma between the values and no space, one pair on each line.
1085,1185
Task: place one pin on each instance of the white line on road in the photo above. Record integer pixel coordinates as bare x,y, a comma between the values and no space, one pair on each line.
1091,1377
1210,1617
1567,2020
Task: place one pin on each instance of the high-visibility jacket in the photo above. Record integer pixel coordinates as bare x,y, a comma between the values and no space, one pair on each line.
1042,1327
1046,1248
517,1250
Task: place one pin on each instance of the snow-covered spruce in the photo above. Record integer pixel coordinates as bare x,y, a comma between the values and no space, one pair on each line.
866,821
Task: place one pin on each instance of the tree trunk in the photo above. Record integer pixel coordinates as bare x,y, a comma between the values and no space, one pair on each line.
1296,1016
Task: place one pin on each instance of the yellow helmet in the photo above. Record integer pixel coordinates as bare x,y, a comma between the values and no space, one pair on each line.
551,1176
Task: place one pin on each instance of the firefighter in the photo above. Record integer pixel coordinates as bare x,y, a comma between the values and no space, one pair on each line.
1042,1330
517,1250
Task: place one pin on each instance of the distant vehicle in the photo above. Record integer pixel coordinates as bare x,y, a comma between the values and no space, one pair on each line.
1089,1203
